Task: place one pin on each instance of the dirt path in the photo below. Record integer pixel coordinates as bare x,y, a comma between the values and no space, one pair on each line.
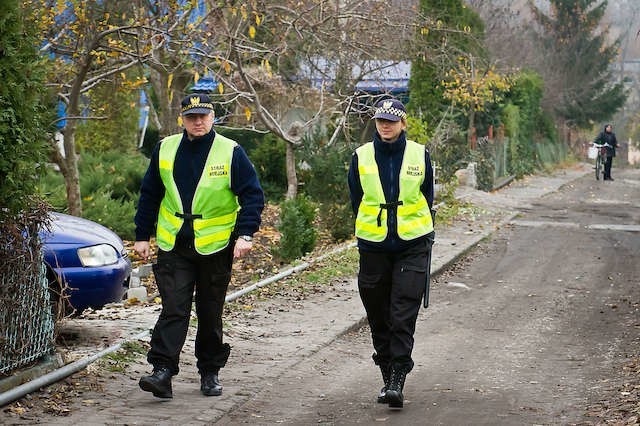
533,327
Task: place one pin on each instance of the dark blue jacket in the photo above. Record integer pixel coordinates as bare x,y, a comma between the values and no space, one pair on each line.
189,164
389,158
608,138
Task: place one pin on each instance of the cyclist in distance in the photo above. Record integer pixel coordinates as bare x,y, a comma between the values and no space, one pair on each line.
608,139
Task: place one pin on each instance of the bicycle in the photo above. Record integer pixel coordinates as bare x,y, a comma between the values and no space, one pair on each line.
601,157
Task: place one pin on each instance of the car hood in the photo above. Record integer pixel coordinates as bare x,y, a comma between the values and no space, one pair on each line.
66,229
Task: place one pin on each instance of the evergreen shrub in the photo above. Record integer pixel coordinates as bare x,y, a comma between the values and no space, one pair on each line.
110,184
269,159
325,181
297,234
338,219
114,213
23,118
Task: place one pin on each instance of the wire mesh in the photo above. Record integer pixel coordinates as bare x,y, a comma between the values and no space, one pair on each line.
550,153
500,157
26,318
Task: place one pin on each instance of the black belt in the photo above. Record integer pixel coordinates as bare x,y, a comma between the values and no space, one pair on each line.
387,206
188,216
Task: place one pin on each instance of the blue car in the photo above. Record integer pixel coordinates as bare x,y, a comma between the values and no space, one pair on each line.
88,258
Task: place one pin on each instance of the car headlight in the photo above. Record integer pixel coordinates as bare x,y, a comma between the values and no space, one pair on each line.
100,255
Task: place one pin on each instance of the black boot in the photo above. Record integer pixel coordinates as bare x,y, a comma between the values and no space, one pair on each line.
159,383
210,385
396,384
386,375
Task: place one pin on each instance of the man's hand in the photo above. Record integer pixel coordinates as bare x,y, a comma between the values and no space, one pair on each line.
241,248
143,248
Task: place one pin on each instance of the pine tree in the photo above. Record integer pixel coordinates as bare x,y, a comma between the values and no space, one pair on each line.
456,30
581,88
22,137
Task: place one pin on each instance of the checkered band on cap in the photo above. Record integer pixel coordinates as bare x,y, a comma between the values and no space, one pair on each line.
390,109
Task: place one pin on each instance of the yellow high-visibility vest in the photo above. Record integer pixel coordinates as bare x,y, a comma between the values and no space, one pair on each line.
413,214
214,209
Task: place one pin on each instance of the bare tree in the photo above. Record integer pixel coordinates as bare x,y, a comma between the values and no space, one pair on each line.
270,58
87,43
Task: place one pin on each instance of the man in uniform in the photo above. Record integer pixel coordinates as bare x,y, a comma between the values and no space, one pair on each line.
202,197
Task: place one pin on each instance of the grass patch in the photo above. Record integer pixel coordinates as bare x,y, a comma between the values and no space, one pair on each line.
119,360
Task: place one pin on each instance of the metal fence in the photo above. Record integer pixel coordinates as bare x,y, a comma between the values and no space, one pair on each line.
500,156
26,317
546,153
550,153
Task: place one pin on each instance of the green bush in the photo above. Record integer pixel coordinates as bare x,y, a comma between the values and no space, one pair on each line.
297,234
110,184
325,181
269,159
451,155
117,172
116,214
23,117
338,219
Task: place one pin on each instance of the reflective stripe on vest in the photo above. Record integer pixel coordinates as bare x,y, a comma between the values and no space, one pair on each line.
214,208
413,215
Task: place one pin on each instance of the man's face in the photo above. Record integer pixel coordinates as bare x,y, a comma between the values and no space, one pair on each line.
389,130
197,125
608,129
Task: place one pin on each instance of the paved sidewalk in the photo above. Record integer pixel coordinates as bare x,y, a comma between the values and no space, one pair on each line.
277,334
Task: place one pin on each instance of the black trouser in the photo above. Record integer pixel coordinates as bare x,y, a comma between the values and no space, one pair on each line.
177,274
391,287
607,166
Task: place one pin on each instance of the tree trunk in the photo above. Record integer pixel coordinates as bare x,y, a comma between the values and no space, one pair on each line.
168,108
471,128
72,176
292,178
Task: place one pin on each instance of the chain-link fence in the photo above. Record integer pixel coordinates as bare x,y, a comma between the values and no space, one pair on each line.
26,318
549,153
500,156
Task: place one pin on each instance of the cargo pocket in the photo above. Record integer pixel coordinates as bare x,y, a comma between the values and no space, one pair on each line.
368,281
413,278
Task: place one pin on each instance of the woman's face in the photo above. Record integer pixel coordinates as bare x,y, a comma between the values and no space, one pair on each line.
390,130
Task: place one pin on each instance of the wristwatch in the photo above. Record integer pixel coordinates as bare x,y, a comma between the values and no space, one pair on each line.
246,238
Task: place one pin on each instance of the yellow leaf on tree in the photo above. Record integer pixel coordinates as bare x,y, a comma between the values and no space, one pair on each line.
220,88
180,121
252,31
247,113
169,81
227,67
258,19
196,77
